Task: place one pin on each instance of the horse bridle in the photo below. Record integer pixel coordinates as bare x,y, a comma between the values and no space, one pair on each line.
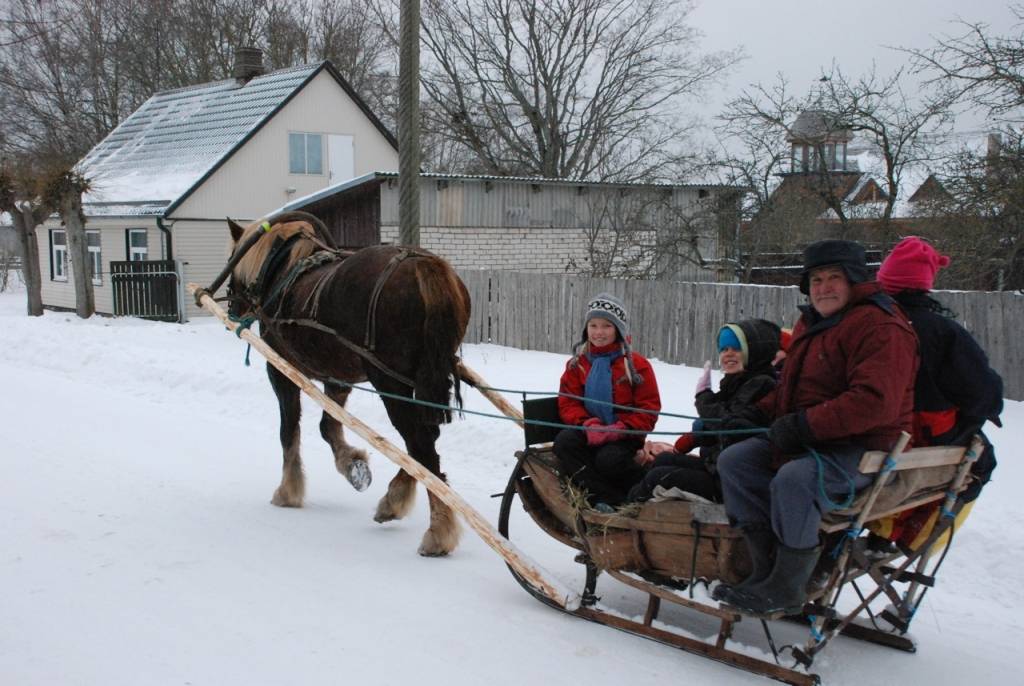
326,241
253,297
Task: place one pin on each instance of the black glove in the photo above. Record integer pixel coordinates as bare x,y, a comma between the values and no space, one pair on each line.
790,433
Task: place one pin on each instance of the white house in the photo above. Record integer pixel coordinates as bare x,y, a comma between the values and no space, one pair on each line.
163,182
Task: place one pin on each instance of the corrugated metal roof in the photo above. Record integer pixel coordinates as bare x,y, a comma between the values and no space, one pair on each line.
556,182
373,177
158,153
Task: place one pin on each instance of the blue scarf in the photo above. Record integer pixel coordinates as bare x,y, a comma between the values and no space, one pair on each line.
599,385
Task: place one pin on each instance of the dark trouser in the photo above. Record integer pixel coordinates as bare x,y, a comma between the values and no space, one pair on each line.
606,472
790,498
672,470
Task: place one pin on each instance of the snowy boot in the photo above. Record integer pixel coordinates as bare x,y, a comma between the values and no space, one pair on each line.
784,589
761,544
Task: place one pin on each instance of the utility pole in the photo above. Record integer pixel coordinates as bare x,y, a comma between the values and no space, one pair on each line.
409,124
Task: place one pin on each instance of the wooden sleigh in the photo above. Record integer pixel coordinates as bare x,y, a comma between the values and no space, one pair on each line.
668,549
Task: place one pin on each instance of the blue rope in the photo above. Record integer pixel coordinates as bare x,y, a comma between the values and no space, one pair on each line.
820,459
599,402
851,533
243,324
539,422
815,634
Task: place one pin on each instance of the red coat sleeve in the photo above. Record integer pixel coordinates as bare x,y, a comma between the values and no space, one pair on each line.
572,410
645,396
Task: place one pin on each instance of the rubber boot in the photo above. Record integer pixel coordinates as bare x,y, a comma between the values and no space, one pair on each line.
761,544
784,589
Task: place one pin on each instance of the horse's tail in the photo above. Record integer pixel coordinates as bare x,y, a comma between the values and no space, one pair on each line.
446,315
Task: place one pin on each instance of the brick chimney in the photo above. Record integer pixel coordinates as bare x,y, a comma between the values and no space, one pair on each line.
248,63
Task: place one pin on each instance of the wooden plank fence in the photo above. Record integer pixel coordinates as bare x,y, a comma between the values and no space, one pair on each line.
146,288
677,322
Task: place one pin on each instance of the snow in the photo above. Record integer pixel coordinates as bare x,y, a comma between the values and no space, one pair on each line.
139,545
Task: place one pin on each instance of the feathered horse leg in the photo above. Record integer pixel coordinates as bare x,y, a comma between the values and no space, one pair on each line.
293,482
351,462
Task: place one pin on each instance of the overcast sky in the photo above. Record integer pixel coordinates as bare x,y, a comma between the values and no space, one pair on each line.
799,37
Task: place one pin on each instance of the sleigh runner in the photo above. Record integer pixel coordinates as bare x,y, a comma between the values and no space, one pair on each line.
673,550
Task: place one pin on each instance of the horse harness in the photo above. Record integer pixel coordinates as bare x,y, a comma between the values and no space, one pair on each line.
272,265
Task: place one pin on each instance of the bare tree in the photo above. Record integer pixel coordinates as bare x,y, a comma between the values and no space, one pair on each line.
72,70
650,232
586,89
64,190
979,219
790,205
904,130
979,67
22,196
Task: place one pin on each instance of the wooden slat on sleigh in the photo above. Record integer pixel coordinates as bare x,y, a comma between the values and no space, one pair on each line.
653,537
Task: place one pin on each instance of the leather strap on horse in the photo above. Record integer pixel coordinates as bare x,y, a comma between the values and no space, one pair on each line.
357,349
370,339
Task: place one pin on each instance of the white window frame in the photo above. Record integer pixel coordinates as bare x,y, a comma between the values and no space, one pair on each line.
59,255
138,253
306,139
95,257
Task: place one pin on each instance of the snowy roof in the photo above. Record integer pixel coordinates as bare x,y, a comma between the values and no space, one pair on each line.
165,149
864,156
377,176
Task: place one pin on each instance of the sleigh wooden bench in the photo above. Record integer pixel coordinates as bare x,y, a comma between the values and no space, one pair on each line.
670,550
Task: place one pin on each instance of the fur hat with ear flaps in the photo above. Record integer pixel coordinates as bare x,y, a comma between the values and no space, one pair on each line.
608,307
847,255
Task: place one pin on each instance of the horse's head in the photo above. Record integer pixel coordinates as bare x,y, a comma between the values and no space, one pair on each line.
260,252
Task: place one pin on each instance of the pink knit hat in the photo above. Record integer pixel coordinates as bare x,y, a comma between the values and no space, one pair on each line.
911,265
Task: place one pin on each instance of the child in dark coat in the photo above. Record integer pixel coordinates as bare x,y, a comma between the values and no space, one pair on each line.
598,458
746,351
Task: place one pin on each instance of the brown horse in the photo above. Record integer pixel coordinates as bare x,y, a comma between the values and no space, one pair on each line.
393,316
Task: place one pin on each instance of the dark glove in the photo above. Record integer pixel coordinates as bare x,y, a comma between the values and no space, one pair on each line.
790,433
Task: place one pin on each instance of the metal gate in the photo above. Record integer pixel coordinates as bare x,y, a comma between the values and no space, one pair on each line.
147,289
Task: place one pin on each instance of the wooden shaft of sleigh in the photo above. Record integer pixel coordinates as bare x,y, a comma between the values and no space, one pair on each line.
476,381
530,570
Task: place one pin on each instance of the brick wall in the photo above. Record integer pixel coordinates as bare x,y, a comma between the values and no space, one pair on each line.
534,249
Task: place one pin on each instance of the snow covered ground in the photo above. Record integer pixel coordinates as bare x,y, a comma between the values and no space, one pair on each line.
138,544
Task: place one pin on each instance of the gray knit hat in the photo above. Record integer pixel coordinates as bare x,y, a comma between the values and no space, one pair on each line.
607,306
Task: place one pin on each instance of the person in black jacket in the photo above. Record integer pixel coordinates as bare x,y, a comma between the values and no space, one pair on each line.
746,351
956,390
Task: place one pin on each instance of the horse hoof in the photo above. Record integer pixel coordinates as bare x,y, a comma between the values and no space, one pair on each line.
381,516
432,552
430,546
359,475
282,500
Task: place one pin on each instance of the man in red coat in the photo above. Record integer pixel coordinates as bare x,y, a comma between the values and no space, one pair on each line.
847,386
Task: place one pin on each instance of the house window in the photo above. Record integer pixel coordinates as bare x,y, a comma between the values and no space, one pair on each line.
305,153
138,244
58,255
841,156
830,156
799,158
95,258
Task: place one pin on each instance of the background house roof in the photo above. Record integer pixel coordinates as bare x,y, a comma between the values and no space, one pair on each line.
818,125
166,148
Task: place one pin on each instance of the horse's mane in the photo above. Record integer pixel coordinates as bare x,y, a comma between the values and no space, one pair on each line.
248,268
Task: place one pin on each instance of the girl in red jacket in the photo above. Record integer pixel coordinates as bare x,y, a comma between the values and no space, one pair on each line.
598,456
